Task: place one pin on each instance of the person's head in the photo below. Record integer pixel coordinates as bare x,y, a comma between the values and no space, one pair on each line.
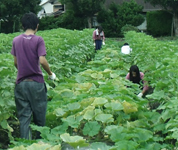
30,21
100,29
126,44
134,74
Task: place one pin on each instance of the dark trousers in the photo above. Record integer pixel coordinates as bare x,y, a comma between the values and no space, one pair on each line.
31,100
98,44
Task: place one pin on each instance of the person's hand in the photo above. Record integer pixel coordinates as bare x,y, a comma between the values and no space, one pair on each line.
140,95
94,44
53,76
103,43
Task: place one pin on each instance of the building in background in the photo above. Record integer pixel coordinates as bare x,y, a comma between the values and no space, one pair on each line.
51,8
55,8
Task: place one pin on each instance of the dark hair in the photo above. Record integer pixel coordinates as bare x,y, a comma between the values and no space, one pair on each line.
136,79
126,44
100,29
29,21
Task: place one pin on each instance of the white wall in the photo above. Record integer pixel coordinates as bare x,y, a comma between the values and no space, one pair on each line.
46,7
143,26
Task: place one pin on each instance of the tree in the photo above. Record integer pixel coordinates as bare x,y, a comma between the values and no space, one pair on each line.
170,6
84,9
117,16
12,10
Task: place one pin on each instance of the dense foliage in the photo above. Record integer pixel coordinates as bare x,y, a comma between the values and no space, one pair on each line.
113,19
159,23
78,15
171,7
90,106
12,11
117,16
83,9
127,28
66,20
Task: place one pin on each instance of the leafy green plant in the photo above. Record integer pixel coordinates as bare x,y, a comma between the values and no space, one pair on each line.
97,94
127,28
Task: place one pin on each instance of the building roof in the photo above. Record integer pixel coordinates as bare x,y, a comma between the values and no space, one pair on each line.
44,2
48,1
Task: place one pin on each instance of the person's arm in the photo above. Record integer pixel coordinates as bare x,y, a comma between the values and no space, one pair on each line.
103,37
94,36
15,62
145,86
45,65
128,76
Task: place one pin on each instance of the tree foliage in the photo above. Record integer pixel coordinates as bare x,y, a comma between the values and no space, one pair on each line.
12,10
117,16
83,9
159,23
170,5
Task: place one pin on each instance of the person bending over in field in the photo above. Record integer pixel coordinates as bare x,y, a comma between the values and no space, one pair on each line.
136,76
30,89
98,38
125,49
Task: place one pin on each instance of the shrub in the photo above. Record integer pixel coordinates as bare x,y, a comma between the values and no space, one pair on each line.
127,28
159,23
117,16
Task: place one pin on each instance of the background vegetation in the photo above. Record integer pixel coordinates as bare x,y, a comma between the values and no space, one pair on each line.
12,11
112,19
89,105
117,16
77,16
159,23
170,7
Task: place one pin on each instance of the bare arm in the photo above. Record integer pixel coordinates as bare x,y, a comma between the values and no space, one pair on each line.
145,86
94,38
45,65
15,61
103,37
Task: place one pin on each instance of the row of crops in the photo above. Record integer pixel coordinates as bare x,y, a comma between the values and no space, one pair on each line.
90,106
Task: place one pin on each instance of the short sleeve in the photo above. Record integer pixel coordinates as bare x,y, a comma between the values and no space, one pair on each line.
141,75
94,35
128,76
41,50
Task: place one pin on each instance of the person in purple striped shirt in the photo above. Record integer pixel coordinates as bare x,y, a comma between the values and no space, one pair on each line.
30,91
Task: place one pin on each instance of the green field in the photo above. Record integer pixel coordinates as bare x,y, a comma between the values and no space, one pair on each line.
89,105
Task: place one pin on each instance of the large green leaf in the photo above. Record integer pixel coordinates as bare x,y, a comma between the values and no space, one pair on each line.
104,118
73,106
99,101
73,121
91,128
99,145
74,141
114,106
126,145
141,135
89,114
59,112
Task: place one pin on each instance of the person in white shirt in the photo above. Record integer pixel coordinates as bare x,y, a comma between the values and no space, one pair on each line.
125,49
